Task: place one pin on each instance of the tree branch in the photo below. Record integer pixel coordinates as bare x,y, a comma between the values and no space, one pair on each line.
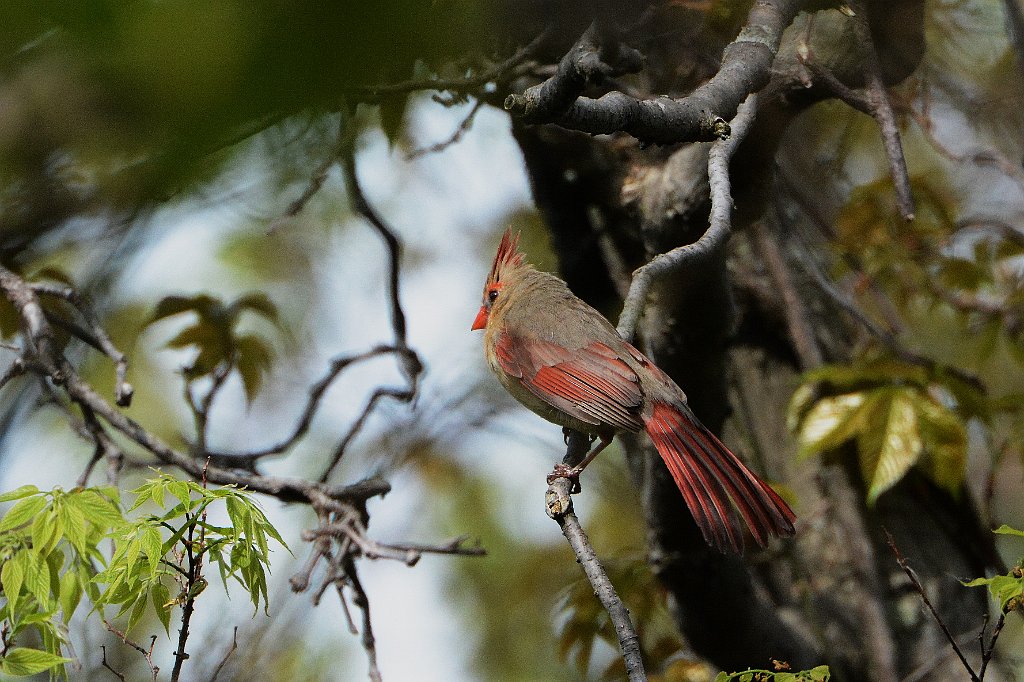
902,561
701,115
719,228
559,507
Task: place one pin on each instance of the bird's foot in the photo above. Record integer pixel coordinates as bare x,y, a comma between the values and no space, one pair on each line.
564,471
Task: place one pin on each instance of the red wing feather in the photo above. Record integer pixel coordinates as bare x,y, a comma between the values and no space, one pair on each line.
591,384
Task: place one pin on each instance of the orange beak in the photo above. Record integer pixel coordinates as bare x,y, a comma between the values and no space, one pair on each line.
481,319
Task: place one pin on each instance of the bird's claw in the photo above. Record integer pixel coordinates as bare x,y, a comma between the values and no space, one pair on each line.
564,471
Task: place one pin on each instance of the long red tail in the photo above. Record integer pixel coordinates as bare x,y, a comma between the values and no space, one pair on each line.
709,476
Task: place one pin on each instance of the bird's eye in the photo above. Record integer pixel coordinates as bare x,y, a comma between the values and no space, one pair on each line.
492,294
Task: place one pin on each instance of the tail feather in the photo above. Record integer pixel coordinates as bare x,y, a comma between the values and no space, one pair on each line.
714,482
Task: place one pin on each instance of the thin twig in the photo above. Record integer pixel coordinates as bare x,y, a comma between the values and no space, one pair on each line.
987,651
901,560
711,241
316,393
362,601
501,72
462,129
107,665
227,655
559,507
882,111
411,366
801,331
148,655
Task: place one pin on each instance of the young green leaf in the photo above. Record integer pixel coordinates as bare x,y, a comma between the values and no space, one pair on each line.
21,662
901,447
18,493
12,577
23,512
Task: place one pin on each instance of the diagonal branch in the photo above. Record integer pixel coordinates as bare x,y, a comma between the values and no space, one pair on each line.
902,561
713,240
559,508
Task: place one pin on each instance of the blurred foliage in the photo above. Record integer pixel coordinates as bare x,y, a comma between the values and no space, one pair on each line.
214,335
135,94
898,414
50,550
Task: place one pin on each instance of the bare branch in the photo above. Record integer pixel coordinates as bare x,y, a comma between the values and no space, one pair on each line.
316,393
881,110
107,665
873,101
902,561
99,338
148,655
227,655
499,73
595,56
559,507
711,241
461,130
363,602
701,115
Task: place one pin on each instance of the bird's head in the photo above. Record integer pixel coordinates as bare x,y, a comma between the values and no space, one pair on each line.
507,263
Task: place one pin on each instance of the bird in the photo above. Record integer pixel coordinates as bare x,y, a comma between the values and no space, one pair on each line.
564,360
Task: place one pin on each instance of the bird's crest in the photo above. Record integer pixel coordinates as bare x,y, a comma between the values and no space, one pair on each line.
507,258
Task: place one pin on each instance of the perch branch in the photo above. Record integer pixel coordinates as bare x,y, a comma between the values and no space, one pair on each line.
559,508
711,241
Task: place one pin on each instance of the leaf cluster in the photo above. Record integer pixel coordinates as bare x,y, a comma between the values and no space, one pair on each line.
897,414
51,555
215,335
159,550
1006,589
49,548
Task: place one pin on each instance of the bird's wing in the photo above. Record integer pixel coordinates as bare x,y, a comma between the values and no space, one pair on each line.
592,384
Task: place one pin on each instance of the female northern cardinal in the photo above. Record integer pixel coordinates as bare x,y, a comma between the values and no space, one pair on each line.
563,360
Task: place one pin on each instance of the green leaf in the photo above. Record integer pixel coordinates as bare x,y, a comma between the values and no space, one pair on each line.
161,598
945,441
45,531
802,400
202,304
901,447
12,577
259,303
70,593
37,579
153,547
254,359
98,509
832,421
1007,530
20,662
23,512
18,493
181,490
138,610
74,526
